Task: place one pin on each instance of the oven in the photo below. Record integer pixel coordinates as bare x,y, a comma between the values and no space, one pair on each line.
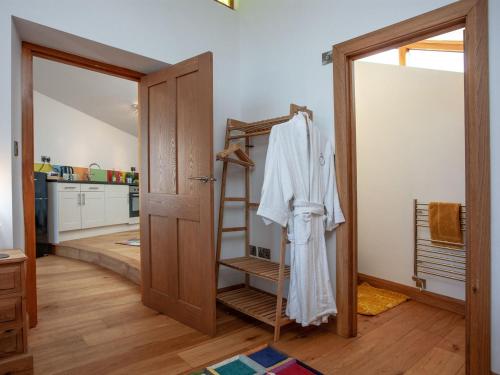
133,201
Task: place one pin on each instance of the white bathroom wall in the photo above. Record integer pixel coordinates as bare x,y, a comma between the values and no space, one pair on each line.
410,143
71,137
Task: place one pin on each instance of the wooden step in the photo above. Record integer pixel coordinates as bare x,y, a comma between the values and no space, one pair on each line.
255,303
234,229
255,266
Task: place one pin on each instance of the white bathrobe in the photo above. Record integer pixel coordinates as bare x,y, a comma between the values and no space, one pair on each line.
300,191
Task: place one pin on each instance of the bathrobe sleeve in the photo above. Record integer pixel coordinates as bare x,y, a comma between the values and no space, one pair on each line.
277,190
334,215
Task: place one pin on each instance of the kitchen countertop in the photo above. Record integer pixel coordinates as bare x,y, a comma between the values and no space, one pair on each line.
91,182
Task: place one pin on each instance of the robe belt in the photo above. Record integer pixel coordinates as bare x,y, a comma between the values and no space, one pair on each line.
304,207
302,214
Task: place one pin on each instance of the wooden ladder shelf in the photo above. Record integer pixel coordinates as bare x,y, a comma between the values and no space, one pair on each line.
263,306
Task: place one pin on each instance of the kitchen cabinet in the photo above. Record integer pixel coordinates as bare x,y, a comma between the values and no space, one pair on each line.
69,210
92,209
116,204
75,206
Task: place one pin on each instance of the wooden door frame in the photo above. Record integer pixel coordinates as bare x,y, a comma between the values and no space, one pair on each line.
473,15
29,51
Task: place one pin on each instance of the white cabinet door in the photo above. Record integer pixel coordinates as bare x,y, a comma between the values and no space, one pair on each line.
117,204
93,211
69,210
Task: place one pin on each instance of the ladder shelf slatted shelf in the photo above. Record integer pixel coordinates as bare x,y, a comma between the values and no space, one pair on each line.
263,306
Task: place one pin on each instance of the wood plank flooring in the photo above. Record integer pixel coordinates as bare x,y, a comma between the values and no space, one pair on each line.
105,251
91,321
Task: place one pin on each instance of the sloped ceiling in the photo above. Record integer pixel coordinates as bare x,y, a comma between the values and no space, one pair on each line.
102,96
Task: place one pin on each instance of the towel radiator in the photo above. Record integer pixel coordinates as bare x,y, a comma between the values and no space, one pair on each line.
439,259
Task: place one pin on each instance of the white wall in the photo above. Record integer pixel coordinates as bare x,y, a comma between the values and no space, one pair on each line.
280,53
16,207
410,143
71,137
166,30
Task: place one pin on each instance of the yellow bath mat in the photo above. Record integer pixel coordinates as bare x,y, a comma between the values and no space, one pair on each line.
373,301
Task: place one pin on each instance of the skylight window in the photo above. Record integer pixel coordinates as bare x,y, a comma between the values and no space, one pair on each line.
442,52
228,3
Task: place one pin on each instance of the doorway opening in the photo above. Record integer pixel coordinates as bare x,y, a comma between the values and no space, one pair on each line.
471,15
411,211
86,156
80,163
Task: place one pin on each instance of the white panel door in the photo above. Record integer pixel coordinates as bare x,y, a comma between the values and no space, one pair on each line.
93,209
117,204
69,211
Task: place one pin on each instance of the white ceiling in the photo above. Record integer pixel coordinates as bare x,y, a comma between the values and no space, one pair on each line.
102,96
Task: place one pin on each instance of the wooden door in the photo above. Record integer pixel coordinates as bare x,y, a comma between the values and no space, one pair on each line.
176,209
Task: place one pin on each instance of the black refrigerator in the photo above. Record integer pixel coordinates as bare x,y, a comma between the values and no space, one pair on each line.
41,217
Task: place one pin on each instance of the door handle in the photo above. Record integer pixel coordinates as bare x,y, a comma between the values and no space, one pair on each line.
203,179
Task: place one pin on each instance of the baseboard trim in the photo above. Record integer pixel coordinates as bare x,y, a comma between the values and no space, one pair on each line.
429,298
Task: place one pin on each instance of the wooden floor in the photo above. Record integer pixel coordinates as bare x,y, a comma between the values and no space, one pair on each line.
91,321
105,251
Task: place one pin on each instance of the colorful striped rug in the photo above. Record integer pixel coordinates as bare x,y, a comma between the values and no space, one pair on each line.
261,361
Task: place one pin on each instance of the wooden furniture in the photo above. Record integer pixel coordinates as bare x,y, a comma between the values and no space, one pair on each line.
473,15
256,303
177,214
13,317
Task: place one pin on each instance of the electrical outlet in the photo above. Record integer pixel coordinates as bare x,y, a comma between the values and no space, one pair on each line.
252,250
264,253
43,158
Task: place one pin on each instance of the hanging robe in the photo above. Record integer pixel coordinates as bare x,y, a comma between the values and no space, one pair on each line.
300,191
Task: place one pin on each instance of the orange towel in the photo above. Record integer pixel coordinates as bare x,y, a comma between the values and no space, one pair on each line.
444,222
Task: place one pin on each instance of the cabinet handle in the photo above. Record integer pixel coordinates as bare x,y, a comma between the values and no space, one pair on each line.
69,187
79,199
93,188
83,196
